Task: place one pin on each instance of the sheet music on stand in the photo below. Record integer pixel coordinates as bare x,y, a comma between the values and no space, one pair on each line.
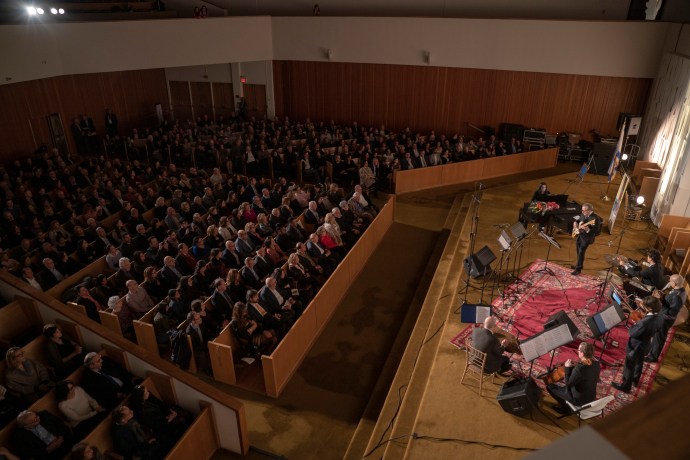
504,240
474,314
546,341
605,320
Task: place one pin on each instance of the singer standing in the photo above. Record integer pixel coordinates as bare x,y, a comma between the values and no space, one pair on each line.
586,227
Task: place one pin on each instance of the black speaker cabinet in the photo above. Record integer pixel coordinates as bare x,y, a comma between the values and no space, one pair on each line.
477,264
560,318
519,397
603,152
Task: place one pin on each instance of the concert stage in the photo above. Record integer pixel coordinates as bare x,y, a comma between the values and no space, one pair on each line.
524,308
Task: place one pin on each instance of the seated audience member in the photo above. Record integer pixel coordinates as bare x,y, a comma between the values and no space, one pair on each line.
41,436
118,307
91,305
10,406
249,274
155,287
484,340
124,274
276,300
64,354
138,300
80,409
131,439
28,276
166,421
25,377
49,276
200,338
249,333
580,380
274,325
85,451
105,380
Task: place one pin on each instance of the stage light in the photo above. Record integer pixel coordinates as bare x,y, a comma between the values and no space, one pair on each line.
31,10
640,199
39,10
53,11
624,157
61,11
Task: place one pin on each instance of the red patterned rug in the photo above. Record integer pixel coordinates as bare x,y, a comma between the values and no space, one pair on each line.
525,307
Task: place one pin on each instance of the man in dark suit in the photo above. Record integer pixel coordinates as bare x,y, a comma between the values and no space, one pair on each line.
262,264
640,340
221,301
41,436
278,322
671,306
130,439
170,273
230,256
199,342
653,275
311,215
105,381
588,226
580,380
244,245
49,276
320,254
484,340
277,301
123,274
249,275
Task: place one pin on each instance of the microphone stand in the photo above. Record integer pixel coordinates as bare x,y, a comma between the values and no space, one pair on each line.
476,201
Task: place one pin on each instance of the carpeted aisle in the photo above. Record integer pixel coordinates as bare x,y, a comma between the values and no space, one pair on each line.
524,309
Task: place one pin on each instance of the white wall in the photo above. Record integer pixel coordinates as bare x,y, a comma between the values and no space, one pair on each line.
553,9
625,49
618,49
78,48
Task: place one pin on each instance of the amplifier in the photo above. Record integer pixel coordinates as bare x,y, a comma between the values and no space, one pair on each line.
519,397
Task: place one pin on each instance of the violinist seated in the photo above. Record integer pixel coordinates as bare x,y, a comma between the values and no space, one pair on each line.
484,340
581,379
651,275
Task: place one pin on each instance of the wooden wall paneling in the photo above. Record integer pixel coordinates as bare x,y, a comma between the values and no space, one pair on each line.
446,99
255,96
201,99
223,99
180,100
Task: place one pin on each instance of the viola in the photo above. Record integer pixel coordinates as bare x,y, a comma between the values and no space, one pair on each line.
555,375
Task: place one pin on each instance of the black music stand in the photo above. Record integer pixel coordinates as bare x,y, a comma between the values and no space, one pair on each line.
545,342
602,322
554,243
505,242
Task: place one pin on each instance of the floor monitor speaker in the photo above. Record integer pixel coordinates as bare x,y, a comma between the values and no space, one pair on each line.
519,397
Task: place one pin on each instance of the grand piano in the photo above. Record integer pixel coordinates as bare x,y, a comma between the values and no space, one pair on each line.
560,219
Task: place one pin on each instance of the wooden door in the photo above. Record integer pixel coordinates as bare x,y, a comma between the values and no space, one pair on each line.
255,96
201,99
223,100
180,100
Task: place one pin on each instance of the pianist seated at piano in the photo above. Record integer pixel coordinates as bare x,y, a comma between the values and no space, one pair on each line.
542,193
651,275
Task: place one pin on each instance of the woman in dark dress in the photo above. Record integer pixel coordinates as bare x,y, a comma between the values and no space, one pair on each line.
64,355
154,286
